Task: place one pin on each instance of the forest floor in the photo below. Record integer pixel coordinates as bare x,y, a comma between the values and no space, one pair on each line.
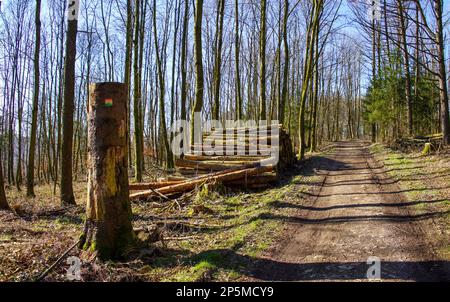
199,229
323,222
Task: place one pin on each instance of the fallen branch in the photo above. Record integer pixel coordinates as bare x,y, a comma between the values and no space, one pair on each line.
160,195
47,271
180,238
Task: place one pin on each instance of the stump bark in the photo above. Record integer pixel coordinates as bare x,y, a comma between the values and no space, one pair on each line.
108,228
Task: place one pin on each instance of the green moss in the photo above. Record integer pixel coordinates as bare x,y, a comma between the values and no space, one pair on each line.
93,247
86,246
65,221
195,273
204,263
6,237
426,149
444,252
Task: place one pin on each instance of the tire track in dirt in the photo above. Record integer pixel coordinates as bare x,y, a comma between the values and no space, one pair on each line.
357,213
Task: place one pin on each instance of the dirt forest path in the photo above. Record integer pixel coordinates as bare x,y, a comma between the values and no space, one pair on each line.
357,213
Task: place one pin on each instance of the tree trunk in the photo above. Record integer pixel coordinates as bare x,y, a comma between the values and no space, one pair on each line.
108,229
262,63
443,95
237,65
374,77
161,81
309,62
315,98
406,66
143,19
199,83
138,156
218,59
184,62
3,202
67,196
284,89
59,106
173,102
128,58
30,170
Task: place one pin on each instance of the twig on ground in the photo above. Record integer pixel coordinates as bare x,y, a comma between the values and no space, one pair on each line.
160,195
180,238
13,273
47,271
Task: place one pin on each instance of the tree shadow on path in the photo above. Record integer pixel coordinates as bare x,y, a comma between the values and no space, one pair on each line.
272,270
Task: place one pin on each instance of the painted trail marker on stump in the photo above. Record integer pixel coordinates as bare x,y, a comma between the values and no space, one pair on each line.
108,102
108,228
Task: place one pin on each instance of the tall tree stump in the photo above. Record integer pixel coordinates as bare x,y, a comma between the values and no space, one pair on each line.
108,229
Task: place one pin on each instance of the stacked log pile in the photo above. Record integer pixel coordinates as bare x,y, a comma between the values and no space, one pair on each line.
224,149
418,143
246,158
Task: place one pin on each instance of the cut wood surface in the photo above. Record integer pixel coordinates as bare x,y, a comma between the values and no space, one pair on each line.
211,147
261,128
224,139
231,158
201,165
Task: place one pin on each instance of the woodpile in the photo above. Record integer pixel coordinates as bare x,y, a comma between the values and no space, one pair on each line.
246,158
418,143
224,149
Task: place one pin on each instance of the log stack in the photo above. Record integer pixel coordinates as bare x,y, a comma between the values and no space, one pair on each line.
236,148
247,158
224,149
418,143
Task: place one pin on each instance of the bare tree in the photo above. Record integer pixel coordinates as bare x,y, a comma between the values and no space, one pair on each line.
406,65
67,196
237,49
162,94
3,202
137,103
32,149
184,61
199,83
128,59
218,58
313,27
262,62
443,89
284,90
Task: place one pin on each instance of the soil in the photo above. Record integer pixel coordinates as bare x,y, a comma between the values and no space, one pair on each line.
358,212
